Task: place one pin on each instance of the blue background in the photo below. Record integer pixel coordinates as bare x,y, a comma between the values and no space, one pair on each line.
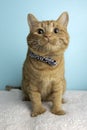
14,29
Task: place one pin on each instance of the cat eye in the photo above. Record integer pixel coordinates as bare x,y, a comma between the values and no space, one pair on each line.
40,31
56,30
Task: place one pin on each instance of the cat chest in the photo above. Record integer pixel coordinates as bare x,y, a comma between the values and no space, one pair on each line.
45,87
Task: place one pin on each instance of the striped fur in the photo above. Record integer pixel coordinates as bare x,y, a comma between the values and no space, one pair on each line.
41,81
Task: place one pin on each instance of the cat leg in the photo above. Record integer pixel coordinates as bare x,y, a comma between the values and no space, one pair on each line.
56,100
35,98
64,89
49,97
64,85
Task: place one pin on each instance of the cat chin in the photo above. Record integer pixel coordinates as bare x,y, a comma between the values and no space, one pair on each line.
48,52
47,49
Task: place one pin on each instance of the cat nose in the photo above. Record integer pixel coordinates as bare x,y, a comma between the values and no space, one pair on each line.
47,36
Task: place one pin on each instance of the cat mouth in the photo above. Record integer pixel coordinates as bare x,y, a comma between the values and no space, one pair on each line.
47,39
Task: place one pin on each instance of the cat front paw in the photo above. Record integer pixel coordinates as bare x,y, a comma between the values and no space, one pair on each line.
38,112
58,112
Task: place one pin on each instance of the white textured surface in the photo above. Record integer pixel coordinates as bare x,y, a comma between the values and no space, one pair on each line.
15,114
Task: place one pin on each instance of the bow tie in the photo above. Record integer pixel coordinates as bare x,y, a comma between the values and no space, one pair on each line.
46,60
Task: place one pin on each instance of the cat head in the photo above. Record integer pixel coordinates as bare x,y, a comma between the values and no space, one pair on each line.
48,36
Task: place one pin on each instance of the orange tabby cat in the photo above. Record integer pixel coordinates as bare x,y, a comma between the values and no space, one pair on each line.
43,70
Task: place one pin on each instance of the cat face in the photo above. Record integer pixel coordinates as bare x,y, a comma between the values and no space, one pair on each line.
48,36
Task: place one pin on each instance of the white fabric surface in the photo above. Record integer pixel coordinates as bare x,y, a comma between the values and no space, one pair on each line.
15,113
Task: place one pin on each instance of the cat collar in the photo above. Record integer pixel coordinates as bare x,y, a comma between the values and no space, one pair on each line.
47,60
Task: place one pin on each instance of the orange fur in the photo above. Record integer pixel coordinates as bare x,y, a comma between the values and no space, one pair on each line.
42,81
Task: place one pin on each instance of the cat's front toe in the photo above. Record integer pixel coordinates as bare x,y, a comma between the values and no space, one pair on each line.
58,112
38,112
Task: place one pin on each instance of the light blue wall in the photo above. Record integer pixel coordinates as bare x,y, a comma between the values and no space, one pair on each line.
14,29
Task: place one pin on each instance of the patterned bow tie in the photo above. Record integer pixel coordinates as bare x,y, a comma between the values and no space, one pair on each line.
47,60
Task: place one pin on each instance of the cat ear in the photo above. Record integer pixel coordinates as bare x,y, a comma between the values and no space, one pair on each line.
63,19
31,20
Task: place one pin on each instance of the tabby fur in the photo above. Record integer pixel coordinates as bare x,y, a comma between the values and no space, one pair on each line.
42,82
